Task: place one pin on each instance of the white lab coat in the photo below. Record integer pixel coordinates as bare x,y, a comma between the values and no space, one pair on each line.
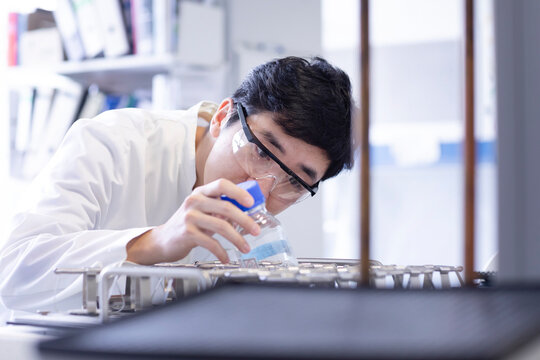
113,178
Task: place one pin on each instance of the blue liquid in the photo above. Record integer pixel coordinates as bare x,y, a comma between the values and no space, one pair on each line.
267,250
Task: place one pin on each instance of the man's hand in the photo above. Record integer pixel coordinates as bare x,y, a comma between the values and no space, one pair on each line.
201,215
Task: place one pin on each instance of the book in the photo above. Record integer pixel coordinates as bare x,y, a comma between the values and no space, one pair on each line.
126,15
165,26
113,28
12,39
40,47
87,16
71,39
93,103
15,156
142,28
43,97
34,156
22,27
24,118
64,110
161,26
174,11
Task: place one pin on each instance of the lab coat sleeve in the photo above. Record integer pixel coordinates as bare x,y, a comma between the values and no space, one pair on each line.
61,226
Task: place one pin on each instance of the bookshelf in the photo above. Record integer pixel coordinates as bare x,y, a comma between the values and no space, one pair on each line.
127,63
153,73
120,75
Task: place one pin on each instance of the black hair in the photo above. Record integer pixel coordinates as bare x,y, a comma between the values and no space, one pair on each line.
310,99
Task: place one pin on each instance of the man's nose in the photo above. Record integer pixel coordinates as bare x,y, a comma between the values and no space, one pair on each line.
267,184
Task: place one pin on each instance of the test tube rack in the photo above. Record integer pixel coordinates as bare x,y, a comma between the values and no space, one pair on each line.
130,288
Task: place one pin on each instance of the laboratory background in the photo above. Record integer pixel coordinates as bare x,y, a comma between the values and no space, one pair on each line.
416,125
192,50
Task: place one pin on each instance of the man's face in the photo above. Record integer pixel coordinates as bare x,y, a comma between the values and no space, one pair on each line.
307,161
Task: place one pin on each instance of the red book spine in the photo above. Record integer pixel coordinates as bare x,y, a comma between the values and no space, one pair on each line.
12,39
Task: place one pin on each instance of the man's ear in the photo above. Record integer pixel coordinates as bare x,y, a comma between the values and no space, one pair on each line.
221,116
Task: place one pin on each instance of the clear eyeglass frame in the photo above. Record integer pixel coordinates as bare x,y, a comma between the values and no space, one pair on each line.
260,162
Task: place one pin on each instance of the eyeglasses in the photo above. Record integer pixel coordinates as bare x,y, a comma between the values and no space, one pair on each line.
260,162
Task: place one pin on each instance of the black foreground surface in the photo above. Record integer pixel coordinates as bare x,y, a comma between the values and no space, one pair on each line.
256,321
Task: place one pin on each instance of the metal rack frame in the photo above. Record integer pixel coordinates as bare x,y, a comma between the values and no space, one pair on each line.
362,136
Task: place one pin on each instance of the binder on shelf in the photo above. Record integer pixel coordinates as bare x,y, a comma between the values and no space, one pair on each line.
142,28
87,15
40,47
15,157
67,26
113,28
174,13
22,27
161,26
64,111
93,103
24,118
165,26
126,16
40,116
34,156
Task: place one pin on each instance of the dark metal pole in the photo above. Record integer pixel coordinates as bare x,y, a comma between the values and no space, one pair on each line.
470,151
364,143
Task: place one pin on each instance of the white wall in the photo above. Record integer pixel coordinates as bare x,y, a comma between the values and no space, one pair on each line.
416,105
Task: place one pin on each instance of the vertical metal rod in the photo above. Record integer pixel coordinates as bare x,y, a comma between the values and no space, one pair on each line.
470,151
364,145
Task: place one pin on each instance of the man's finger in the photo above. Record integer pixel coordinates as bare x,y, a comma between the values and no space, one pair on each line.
213,246
229,212
225,187
222,227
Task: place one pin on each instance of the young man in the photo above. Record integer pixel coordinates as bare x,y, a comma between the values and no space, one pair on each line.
145,186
